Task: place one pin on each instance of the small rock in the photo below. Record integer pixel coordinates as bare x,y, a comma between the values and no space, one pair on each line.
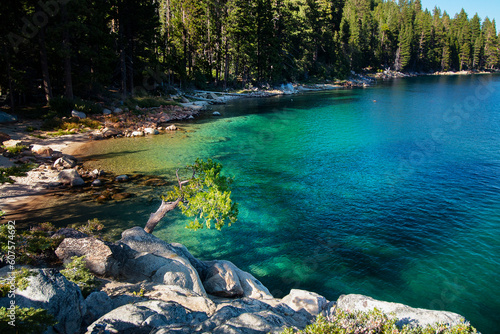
151,131
118,111
122,178
137,134
106,112
191,117
97,183
79,114
216,113
171,128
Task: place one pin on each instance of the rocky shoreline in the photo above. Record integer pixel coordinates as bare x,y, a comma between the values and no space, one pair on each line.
151,286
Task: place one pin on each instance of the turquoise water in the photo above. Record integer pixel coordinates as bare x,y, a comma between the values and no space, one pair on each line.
391,191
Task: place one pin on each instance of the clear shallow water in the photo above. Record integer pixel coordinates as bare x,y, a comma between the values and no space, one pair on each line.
391,191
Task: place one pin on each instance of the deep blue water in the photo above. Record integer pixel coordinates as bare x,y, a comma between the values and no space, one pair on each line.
391,191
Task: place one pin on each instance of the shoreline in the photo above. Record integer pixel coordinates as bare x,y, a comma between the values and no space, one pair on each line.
33,189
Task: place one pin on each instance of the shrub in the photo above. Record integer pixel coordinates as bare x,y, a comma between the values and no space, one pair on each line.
31,246
16,149
88,107
374,322
28,320
20,281
78,273
148,102
61,106
7,172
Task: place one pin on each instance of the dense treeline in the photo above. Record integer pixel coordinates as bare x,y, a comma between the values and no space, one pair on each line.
80,47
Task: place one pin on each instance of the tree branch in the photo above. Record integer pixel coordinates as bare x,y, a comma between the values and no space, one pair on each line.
155,217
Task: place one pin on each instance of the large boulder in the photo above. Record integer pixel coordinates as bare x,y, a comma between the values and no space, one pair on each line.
42,150
406,315
310,302
141,241
97,304
65,162
70,177
141,318
244,316
223,278
7,118
50,290
179,272
99,256
78,114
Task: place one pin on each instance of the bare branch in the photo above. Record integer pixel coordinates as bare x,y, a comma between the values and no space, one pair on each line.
155,217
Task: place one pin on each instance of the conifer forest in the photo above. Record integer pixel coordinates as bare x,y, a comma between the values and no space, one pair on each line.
84,47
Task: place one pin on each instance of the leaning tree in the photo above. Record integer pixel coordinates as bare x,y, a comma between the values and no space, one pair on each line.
206,195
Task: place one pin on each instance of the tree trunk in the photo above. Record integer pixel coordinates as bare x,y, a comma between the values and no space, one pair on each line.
67,54
45,65
9,74
155,217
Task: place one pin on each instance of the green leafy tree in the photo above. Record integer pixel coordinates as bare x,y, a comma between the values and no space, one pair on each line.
205,196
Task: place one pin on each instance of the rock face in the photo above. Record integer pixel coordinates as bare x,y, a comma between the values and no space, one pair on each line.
163,289
405,314
50,290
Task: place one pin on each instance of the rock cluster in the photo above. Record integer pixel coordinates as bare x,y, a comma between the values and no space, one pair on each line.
151,122
157,287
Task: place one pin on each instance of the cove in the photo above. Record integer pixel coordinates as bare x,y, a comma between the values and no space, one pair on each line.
391,191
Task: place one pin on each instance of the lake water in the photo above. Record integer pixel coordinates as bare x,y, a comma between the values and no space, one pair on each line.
391,191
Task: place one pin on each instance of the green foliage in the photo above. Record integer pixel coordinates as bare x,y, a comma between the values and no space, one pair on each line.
20,281
2,213
148,102
7,172
91,227
31,246
62,126
78,273
27,320
88,107
61,106
374,322
16,149
206,196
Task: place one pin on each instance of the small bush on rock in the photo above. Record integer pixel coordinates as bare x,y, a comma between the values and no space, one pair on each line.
27,320
374,322
78,273
31,246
